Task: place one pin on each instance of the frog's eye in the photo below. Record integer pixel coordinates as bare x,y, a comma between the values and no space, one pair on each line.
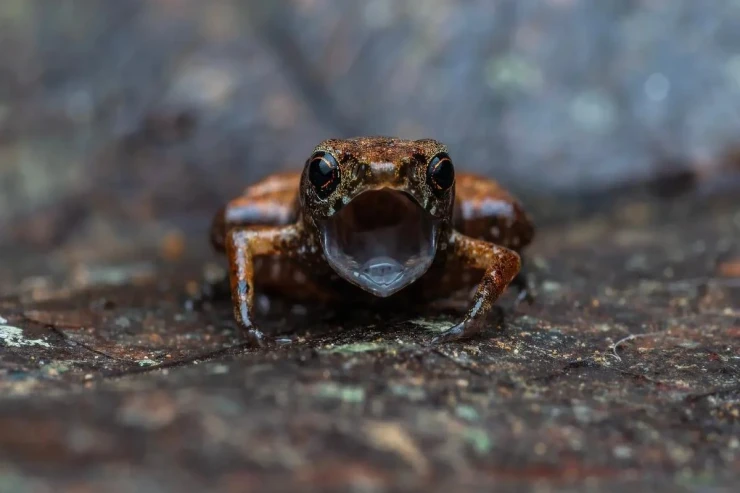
323,173
441,173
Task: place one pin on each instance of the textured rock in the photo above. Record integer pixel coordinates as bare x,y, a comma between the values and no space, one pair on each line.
626,371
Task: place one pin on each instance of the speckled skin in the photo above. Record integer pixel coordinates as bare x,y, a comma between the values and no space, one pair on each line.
271,230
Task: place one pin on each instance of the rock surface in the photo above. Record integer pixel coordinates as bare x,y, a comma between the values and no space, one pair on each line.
626,371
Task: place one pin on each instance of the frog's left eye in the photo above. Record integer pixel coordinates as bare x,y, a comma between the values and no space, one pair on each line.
323,173
441,173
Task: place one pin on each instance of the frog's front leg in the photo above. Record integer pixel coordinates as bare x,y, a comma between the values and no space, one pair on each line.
243,245
486,211
501,266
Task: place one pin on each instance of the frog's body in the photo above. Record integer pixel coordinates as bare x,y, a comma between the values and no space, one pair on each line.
414,231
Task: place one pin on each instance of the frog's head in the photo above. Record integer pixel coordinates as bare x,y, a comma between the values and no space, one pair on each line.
379,205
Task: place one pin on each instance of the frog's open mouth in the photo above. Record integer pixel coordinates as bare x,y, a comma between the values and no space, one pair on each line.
382,241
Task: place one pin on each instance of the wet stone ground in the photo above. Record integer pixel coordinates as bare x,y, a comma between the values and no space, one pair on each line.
625,372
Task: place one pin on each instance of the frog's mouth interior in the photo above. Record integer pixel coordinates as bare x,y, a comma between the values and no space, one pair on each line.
382,241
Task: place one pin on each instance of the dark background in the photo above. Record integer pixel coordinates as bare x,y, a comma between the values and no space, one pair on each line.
121,121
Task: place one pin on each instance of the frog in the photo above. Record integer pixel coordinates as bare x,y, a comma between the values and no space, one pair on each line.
374,218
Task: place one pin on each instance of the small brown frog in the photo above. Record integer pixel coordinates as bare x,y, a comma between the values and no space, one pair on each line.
373,217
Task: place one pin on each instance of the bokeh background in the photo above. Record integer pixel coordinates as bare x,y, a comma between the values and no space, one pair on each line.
127,122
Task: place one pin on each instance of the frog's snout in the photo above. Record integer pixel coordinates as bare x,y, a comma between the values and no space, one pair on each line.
386,174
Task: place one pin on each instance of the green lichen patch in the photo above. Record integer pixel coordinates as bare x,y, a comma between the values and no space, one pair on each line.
357,347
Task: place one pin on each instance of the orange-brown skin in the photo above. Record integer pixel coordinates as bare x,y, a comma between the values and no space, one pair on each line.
270,233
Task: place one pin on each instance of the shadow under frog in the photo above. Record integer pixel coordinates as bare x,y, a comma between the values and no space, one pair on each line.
373,217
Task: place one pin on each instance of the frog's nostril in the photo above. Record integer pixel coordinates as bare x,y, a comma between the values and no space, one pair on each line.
383,170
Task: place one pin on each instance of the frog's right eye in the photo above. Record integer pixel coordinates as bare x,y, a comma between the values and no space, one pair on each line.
323,173
441,173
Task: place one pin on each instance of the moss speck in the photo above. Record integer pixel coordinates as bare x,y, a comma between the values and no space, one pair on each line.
344,393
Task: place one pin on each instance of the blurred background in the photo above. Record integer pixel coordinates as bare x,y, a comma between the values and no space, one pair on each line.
125,123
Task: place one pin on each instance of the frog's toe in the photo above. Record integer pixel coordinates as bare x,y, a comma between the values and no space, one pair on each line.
525,293
284,340
524,296
256,338
463,330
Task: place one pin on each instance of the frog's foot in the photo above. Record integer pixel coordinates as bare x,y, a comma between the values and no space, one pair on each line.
525,293
257,339
464,330
501,267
